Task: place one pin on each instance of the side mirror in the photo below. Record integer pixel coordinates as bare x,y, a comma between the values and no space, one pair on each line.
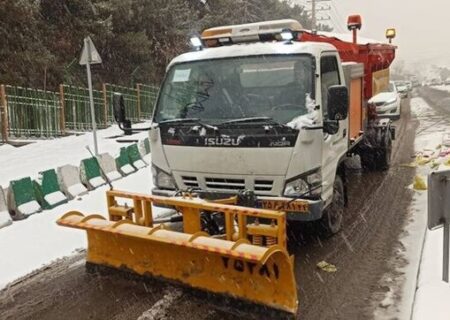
119,108
337,102
119,114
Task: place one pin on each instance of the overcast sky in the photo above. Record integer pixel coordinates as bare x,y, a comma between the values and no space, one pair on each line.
423,27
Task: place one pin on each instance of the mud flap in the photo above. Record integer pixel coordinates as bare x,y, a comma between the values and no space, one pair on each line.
256,274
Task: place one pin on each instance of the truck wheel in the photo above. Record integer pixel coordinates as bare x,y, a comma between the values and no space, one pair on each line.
378,158
383,157
368,162
331,221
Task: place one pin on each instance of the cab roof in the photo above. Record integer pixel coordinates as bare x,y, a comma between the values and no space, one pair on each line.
254,49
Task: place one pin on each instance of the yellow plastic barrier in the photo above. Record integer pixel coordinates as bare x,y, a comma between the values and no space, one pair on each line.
228,265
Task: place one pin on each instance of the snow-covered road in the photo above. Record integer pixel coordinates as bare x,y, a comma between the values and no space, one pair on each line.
372,227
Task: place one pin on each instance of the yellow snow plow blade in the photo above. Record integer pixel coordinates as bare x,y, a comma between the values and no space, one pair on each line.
249,261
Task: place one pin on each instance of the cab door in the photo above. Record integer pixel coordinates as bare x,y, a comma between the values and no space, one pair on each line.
334,145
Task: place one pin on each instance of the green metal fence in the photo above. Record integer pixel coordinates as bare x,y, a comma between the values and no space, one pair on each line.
77,112
32,112
147,98
37,113
131,101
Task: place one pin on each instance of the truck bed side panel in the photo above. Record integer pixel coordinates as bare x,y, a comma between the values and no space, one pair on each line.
354,77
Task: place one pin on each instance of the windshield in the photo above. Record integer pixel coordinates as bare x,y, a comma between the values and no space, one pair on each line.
216,91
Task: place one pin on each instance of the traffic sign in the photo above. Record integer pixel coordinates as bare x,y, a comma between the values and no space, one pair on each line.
90,54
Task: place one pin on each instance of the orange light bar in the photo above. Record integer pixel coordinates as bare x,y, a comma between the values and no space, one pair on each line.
216,32
251,31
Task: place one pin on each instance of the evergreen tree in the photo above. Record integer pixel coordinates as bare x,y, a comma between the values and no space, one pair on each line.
42,39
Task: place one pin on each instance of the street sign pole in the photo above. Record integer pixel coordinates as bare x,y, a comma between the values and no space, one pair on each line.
446,251
91,95
439,212
90,56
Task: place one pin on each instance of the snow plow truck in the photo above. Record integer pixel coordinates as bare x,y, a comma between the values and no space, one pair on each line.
250,130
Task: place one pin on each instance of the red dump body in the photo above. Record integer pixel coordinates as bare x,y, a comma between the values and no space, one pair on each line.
375,57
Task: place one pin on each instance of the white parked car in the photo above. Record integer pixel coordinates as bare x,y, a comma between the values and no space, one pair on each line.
409,85
402,89
387,103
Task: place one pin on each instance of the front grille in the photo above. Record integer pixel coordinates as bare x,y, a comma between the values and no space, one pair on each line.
190,181
263,185
225,184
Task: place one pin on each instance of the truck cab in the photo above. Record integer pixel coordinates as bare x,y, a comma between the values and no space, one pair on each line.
270,117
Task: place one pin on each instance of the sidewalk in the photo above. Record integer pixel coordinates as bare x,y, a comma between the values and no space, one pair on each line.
432,295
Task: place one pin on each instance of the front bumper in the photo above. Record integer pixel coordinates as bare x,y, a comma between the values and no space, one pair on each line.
297,210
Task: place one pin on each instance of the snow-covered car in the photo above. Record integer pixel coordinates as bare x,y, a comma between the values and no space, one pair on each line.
402,89
387,103
409,84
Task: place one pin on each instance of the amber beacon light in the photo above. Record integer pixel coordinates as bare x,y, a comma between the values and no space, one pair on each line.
390,34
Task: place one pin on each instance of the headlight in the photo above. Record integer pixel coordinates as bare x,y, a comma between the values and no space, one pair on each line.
309,185
162,179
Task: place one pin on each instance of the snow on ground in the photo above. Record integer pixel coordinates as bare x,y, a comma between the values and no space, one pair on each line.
41,155
442,87
432,294
31,243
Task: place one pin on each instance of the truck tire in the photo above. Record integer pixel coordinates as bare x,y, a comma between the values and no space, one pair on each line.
383,157
378,157
333,215
368,160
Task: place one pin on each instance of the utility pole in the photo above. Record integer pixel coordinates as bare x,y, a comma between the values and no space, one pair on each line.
315,10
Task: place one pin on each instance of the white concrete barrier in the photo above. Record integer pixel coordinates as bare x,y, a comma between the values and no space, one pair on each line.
21,198
69,180
90,173
144,147
108,165
5,218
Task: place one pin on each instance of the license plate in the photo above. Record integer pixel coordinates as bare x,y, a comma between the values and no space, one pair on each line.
296,206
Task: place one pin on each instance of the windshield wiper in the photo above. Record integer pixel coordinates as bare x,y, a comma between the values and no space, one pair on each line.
188,120
265,120
179,120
